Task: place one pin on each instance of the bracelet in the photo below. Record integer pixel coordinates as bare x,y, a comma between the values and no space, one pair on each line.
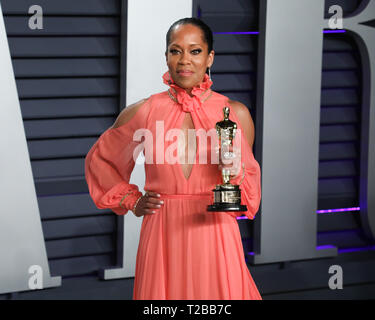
135,204
130,192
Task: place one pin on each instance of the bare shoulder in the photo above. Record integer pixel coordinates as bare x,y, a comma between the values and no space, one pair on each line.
244,116
241,111
128,113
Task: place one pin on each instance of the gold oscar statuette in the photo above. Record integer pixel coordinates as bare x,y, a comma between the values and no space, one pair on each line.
227,197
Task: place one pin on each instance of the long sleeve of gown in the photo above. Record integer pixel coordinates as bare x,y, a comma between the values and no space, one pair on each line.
109,164
251,183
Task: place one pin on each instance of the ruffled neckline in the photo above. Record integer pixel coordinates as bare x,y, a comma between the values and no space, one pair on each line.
200,92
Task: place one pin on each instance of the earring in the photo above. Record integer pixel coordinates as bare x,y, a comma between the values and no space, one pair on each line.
209,72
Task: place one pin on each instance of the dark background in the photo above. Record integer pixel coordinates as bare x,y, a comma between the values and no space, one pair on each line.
68,83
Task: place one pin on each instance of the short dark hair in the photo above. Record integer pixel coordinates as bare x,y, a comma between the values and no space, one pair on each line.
207,33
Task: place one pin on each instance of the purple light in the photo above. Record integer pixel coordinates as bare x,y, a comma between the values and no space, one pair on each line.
257,32
240,218
323,211
334,31
343,250
327,246
239,32
339,210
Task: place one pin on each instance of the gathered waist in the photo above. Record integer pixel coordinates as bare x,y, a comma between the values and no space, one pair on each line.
188,196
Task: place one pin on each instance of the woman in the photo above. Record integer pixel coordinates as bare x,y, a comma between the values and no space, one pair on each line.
184,251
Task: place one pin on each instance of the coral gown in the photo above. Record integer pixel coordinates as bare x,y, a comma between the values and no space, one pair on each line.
184,251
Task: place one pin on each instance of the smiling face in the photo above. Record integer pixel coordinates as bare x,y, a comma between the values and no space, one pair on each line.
187,56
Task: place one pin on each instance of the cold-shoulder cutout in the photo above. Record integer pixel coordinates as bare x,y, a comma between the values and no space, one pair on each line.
246,121
128,113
